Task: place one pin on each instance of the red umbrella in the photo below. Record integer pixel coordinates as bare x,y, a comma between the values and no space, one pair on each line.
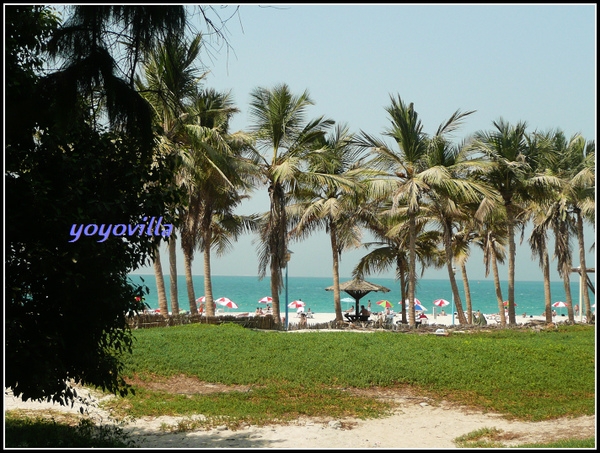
441,302
296,304
266,300
226,302
506,303
201,299
559,305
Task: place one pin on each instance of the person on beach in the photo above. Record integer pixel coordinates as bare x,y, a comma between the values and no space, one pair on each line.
576,309
443,313
309,314
369,306
302,319
364,311
350,310
553,313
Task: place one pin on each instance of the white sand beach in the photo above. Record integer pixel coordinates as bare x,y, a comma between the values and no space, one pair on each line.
439,320
417,422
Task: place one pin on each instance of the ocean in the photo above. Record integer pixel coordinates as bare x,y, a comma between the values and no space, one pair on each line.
246,292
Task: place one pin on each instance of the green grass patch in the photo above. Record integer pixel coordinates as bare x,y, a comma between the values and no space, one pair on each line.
530,375
569,443
259,406
26,432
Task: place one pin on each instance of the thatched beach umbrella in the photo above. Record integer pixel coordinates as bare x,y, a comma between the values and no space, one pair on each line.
359,288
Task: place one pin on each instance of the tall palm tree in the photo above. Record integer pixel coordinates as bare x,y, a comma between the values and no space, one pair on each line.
283,138
215,175
407,166
451,192
391,249
335,205
171,78
579,190
538,241
506,147
491,238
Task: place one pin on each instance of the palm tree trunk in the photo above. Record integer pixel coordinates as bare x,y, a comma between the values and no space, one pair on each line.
173,275
187,260
498,289
209,302
163,304
336,272
547,294
403,292
582,266
275,272
449,263
511,269
567,284
463,269
411,270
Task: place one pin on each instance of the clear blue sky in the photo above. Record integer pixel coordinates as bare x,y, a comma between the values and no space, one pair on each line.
535,63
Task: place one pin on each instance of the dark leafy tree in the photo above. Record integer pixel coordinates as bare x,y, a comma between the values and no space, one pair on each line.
79,152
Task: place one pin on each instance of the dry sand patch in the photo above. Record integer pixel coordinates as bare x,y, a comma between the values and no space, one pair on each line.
417,422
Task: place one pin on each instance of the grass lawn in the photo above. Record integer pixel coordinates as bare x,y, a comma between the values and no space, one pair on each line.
524,374
530,375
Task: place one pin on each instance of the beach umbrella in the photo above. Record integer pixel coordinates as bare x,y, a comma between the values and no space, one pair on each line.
385,303
347,299
417,301
559,304
226,302
506,303
266,300
359,288
296,304
201,299
441,303
418,306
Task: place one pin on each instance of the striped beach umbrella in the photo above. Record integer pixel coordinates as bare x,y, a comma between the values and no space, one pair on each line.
296,304
224,301
560,305
201,299
384,303
266,300
441,303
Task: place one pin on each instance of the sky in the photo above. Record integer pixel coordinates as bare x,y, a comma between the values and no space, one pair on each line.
532,63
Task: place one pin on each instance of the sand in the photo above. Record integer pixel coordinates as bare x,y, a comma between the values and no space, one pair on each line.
417,422
442,321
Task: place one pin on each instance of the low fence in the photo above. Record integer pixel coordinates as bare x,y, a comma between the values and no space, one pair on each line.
150,320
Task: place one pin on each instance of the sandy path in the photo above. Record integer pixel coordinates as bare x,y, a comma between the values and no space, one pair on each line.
415,423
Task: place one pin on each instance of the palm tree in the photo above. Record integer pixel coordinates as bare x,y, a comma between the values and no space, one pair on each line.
513,164
407,166
171,78
334,205
283,138
391,250
538,241
451,193
215,175
580,179
491,238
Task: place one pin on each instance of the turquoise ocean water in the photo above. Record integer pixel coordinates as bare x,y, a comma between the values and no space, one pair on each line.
246,291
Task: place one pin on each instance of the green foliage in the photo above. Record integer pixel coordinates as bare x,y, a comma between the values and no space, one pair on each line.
23,432
66,302
528,375
262,404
